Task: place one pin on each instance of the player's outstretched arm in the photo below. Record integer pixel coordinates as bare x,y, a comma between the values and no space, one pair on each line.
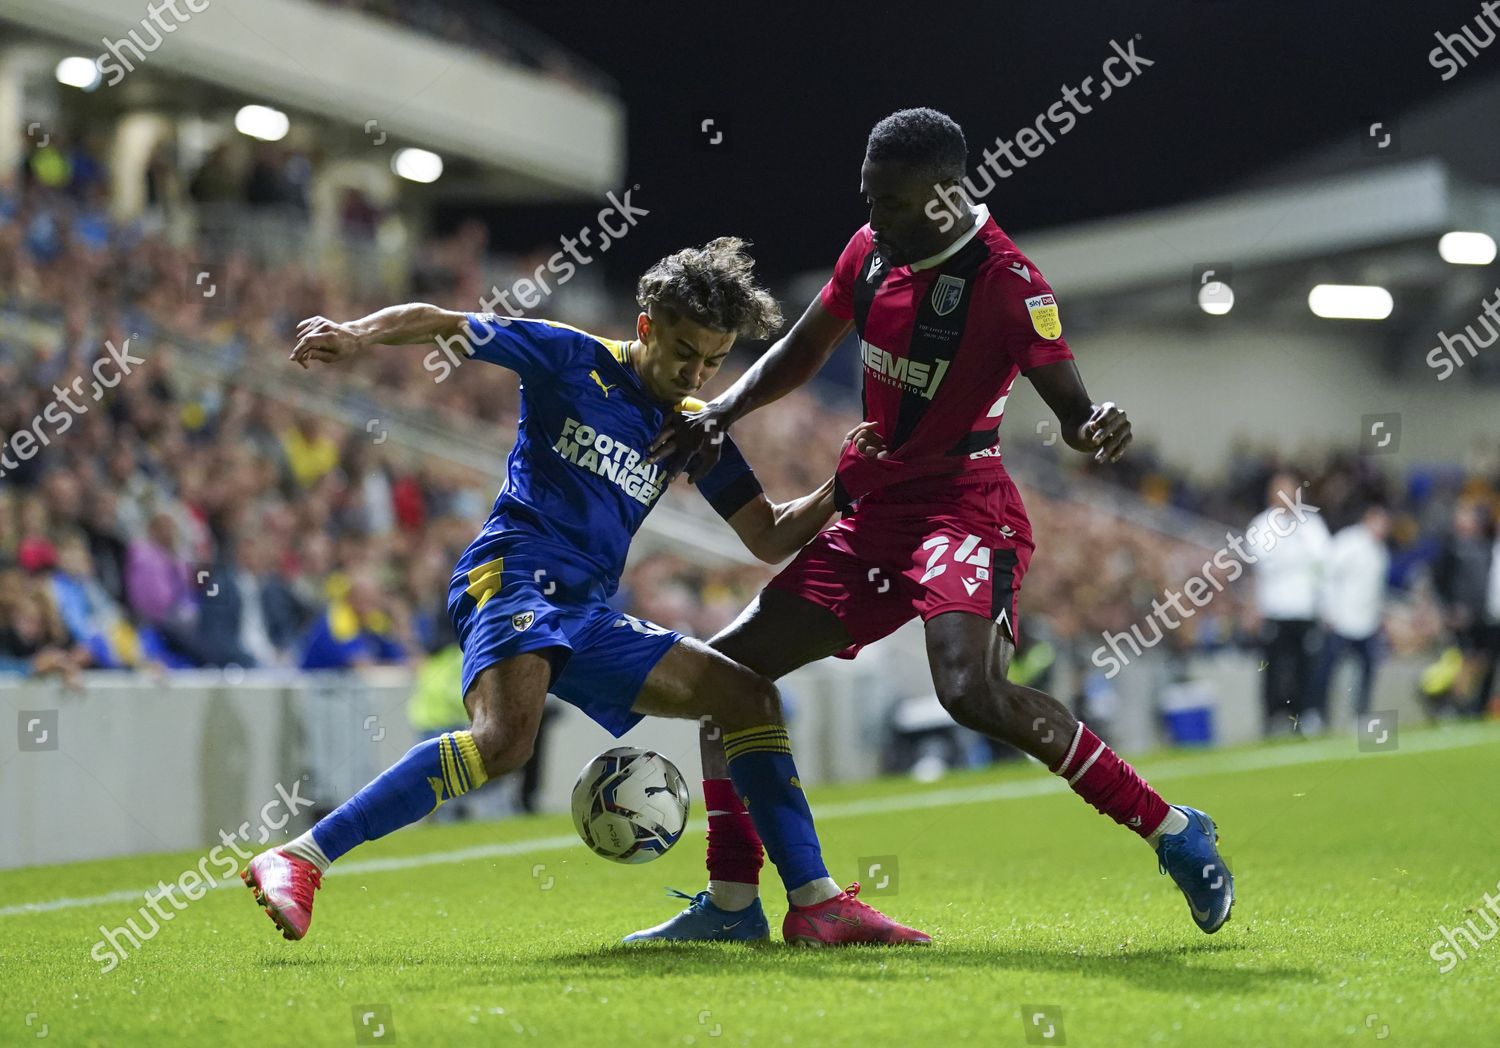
774,531
1101,430
319,338
790,362
794,358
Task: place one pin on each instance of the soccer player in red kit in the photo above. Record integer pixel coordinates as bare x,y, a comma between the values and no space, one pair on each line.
948,313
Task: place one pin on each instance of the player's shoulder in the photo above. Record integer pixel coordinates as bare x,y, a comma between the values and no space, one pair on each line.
862,241
1007,269
542,328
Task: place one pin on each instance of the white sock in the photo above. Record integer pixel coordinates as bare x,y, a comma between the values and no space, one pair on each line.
305,847
814,892
732,895
1175,822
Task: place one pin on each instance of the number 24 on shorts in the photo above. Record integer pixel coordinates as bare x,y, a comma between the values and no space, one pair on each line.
969,552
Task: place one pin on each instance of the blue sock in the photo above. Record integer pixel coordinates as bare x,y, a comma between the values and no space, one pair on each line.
765,776
431,772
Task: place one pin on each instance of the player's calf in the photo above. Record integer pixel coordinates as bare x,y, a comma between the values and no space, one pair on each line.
505,702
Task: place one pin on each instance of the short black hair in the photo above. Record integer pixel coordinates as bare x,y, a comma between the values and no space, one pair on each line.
924,138
713,285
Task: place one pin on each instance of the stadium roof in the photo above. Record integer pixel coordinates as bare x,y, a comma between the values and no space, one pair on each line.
528,135
1290,223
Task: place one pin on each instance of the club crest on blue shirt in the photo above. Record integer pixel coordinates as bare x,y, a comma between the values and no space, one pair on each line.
522,620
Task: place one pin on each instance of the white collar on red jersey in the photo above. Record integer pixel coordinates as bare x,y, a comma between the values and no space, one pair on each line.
981,213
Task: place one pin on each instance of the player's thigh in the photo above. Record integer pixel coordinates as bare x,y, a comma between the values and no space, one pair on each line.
505,705
967,654
780,632
694,681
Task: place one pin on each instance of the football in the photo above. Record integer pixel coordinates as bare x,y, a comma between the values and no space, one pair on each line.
630,805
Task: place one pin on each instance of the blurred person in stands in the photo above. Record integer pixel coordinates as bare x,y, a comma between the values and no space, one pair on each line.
106,543
252,618
134,493
1288,568
33,638
161,596
259,576
358,629
311,453
1463,577
217,181
368,499
1352,602
88,611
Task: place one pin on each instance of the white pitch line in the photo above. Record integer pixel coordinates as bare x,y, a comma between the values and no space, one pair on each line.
1204,765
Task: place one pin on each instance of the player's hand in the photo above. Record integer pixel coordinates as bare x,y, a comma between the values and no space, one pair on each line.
690,438
868,440
1108,430
319,338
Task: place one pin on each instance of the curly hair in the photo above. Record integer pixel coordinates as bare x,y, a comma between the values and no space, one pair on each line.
923,138
712,285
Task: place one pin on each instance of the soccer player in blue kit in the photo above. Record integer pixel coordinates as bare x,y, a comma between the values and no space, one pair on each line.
528,597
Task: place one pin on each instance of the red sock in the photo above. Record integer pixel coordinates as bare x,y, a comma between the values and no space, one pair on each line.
734,850
1098,775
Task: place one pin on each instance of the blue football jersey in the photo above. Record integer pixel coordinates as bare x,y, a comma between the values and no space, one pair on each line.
576,480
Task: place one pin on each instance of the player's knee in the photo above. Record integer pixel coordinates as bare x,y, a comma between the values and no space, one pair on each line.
502,752
962,700
971,699
752,701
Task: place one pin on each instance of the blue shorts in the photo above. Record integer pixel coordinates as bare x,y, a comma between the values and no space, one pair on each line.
517,598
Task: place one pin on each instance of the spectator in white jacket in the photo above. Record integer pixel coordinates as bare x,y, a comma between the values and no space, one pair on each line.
1352,602
1289,543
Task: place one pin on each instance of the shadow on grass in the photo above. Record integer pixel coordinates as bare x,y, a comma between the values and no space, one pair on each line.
1194,967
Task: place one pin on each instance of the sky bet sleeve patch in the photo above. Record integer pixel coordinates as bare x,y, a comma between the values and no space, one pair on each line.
1043,310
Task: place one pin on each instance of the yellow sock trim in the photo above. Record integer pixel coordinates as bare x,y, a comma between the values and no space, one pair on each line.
768,738
462,768
451,786
470,760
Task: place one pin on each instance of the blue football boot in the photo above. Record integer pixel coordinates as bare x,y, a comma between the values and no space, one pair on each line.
1192,858
702,921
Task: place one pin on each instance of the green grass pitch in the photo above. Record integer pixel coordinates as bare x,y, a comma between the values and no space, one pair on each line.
1347,863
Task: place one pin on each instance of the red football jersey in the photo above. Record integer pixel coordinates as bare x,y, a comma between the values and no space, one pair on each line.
942,340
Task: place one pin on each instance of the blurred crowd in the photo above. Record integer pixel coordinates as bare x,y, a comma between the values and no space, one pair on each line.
213,505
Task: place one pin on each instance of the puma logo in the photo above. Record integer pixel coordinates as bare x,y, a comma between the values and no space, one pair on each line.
600,382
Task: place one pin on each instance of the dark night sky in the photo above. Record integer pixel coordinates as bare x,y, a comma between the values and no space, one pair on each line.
1238,85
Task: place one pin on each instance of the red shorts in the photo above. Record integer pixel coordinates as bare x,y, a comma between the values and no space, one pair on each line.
925,548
